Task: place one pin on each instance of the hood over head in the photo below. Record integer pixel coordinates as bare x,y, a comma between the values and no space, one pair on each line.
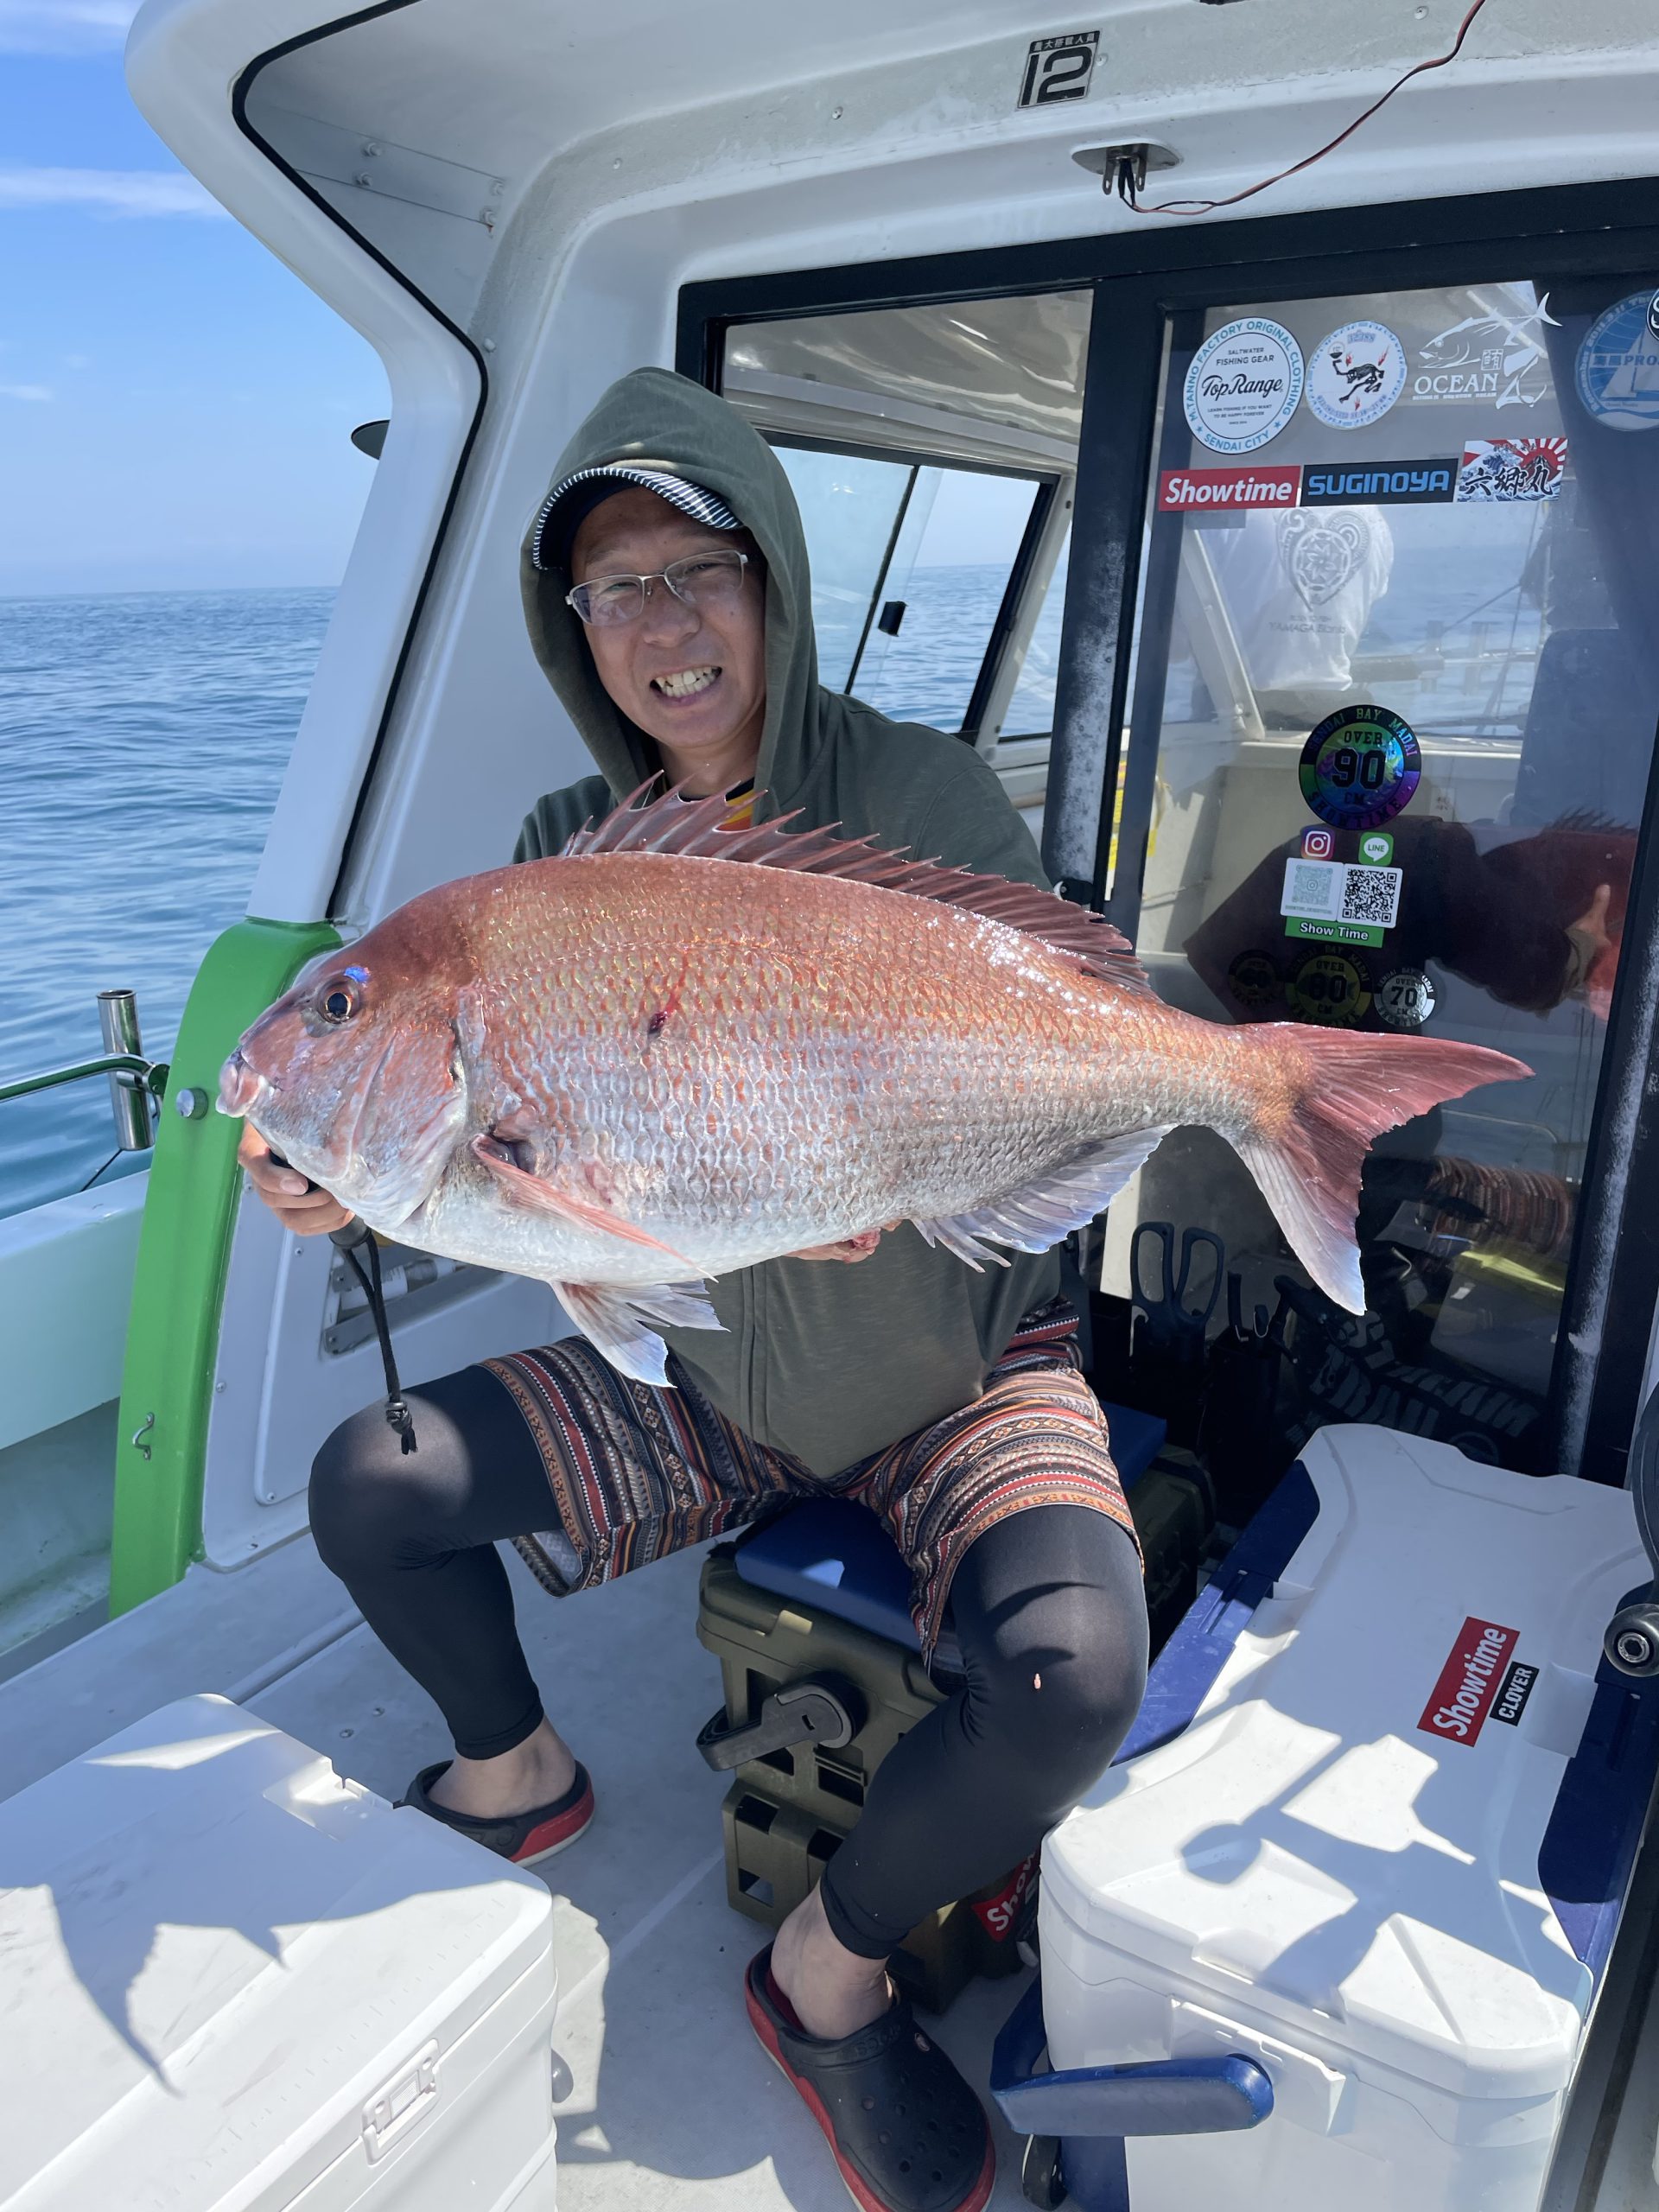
654,415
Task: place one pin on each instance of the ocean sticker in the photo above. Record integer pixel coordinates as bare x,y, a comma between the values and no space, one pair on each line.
1243,385
1343,902
1254,979
1355,375
1510,468
1227,491
1331,988
1360,767
1380,484
1405,999
1617,371
1497,357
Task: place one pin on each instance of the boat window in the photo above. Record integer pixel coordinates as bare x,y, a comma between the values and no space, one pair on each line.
1031,708
1392,714
932,450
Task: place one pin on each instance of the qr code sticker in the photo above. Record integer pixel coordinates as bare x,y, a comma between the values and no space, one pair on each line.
1371,894
1312,888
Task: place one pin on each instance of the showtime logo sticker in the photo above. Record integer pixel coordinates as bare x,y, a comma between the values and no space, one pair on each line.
1461,1699
1227,491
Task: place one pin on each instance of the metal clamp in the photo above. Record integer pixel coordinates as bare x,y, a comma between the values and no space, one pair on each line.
799,1712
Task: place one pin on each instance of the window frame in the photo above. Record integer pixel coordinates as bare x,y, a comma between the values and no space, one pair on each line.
1141,277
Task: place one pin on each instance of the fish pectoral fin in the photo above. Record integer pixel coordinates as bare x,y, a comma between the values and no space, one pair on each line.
614,1321
539,1196
1039,1213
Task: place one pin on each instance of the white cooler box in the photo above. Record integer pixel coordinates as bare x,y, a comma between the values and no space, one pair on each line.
230,1982
1372,1832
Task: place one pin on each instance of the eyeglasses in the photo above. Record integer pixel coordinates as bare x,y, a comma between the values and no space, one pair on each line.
706,580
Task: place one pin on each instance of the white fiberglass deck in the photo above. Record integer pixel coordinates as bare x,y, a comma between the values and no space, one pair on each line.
674,2104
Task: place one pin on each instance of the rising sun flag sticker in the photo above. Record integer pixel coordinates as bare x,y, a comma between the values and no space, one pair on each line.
1510,468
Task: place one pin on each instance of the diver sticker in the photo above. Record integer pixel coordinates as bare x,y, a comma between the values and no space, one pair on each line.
1511,1700
1059,69
1360,767
1618,370
1339,900
1510,468
1226,490
1254,979
1381,483
1462,1698
1405,999
1331,988
1355,375
1243,385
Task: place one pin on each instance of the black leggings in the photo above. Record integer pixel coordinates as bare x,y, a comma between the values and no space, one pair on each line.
1047,1605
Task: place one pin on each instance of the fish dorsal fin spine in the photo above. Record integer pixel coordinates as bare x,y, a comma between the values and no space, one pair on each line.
697,829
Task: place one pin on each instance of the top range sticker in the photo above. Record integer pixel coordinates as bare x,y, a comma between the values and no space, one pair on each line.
1243,385
1355,375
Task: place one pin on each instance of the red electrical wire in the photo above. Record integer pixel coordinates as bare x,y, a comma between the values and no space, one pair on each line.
1209,206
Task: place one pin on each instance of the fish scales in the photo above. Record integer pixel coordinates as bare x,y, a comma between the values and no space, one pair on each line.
628,1071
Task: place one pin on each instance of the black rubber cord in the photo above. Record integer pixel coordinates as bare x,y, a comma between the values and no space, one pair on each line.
347,1239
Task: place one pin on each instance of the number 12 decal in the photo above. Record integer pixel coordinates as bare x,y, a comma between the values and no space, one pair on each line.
1059,68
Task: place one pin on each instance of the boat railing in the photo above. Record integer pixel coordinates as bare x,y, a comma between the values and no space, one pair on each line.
137,1084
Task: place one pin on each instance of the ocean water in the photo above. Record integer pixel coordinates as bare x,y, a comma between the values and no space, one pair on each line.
143,740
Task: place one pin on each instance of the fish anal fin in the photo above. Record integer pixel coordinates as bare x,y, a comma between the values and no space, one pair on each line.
696,828
539,1196
1037,1214
617,1322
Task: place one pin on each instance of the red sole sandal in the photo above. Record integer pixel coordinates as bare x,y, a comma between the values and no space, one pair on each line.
908,2133
525,1838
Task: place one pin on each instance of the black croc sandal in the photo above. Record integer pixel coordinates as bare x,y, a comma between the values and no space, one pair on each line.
908,2133
525,1838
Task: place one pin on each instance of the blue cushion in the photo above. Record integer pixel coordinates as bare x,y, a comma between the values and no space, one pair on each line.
834,1555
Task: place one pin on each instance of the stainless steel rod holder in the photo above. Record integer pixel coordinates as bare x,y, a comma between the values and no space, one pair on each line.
130,1102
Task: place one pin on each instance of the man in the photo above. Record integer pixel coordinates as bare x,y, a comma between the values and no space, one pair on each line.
668,599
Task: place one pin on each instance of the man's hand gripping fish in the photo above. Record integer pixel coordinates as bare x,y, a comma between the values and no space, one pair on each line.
679,1049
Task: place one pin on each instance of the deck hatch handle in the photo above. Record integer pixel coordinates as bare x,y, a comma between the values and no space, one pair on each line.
400,2102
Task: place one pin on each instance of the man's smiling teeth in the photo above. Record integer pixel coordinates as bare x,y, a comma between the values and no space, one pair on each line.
685,683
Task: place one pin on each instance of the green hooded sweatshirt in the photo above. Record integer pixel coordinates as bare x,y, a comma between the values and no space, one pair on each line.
828,1362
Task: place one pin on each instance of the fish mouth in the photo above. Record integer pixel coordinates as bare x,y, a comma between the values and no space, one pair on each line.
240,1086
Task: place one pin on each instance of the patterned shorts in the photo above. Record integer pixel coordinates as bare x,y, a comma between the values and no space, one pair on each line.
638,1472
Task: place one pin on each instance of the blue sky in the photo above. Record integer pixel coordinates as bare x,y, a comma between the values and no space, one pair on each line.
173,404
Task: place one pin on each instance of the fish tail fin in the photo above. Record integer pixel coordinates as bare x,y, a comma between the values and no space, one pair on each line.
1328,1094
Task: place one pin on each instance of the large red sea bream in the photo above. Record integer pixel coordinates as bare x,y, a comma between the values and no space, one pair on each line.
679,1049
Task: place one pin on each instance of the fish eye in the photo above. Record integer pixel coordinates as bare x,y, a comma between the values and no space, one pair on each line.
341,1000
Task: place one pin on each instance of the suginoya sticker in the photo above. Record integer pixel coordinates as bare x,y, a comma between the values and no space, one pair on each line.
1617,373
1243,385
1331,988
1406,999
1510,468
1360,767
1355,375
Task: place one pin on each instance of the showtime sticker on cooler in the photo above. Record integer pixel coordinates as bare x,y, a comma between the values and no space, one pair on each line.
1227,491
1461,1700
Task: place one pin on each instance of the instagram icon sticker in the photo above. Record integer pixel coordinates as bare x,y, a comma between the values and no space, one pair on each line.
1317,844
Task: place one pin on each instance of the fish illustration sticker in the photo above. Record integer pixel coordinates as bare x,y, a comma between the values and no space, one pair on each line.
1355,375
1617,369
1244,384
1360,767
1510,468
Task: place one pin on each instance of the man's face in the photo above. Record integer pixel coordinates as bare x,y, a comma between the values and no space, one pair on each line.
713,660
